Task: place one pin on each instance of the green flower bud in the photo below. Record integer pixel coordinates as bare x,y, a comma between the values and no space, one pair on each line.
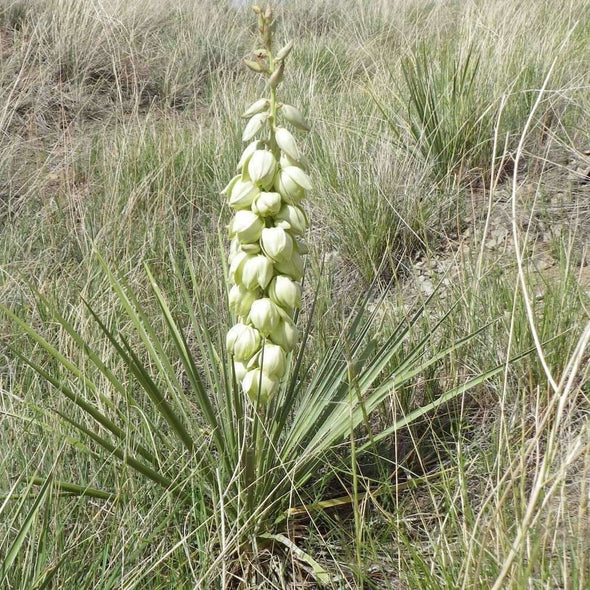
292,268
253,248
285,292
256,271
302,247
254,125
291,218
242,194
262,167
287,143
267,204
264,315
255,66
272,359
236,247
277,244
294,117
247,153
283,52
256,107
241,300
246,226
242,341
277,76
259,386
285,334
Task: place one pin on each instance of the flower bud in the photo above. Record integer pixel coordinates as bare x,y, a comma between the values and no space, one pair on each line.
241,300
256,107
292,268
237,262
242,341
228,188
255,66
253,248
272,359
298,176
291,218
291,182
267,204
259,386
283,52
242,194
262,167
277,244
277,76
294,117
254,125
285,334
246,226
256,271
247,153
285,292
291,192
287,143
264,315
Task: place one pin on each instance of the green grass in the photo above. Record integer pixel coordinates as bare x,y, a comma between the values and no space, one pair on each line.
120,127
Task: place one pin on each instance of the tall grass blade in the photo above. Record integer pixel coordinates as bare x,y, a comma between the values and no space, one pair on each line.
23,530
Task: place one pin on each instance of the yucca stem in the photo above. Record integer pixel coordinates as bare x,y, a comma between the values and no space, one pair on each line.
273,98
272,118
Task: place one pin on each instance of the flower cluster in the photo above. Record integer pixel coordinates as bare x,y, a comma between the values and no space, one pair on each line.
266,232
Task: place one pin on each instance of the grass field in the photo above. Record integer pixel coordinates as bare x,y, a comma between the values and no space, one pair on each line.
450,158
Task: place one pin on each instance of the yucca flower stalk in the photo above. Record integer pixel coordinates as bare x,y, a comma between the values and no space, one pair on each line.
266,250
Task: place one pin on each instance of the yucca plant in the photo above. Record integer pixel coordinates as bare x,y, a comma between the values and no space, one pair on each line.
240,435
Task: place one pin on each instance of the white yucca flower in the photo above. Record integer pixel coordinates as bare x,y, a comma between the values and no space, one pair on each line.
266,265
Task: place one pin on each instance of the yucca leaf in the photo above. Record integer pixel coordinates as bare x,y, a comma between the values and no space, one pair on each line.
77,490
444,398
121,454
134,364
188,363
152,343
85,406
92,355
58,356
402,373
